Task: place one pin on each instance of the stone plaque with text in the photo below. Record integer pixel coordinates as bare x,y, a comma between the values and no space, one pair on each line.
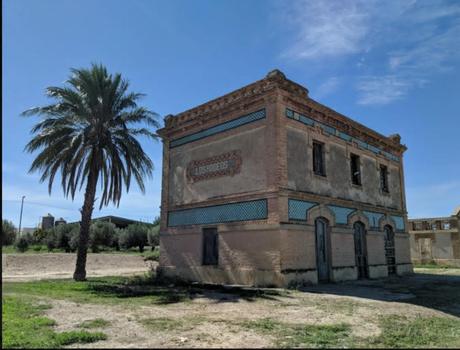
226,164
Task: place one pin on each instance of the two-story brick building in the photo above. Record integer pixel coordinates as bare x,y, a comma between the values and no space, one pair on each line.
265,186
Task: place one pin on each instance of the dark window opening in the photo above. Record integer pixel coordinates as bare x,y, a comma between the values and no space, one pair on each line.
318,159
210,246
355,169
384,178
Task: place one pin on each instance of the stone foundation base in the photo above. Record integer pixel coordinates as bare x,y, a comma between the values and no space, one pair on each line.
404,269
217,275
340,274
260,278
378,271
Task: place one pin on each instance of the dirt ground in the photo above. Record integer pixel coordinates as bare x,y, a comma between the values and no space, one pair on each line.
214,318
210,319
26,267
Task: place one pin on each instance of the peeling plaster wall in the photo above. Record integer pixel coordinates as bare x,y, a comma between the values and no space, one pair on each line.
337,182
251,178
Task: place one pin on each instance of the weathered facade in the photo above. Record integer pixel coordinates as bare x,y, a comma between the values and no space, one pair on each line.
436,240
265,186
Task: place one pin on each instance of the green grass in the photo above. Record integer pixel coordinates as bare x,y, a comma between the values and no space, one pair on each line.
96,323
106,290
24,326
153,255
426,332
138,290
289,335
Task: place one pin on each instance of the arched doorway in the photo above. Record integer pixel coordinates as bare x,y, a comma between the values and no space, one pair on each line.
360,249
390,249
323,261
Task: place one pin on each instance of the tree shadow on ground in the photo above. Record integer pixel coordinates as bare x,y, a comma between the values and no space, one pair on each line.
165,292
440,292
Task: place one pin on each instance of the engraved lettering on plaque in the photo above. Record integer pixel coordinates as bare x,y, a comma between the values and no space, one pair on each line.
227,164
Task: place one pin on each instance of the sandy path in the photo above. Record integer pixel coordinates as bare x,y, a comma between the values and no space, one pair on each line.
25,267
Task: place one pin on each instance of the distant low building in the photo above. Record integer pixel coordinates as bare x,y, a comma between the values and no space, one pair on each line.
61,221
26,230
47,222
118,221
436,240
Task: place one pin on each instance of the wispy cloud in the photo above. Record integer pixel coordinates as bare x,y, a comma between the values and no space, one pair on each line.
326,28
397,45
327,87
380,90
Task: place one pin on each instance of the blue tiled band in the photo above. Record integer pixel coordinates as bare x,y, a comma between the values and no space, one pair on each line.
333,131
297,209
249,118
241,211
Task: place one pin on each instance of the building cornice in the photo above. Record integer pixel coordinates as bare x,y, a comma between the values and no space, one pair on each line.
208,113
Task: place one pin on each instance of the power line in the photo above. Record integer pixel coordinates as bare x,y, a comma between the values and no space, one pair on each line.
39,204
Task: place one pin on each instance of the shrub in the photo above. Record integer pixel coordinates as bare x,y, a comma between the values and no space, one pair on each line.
102,233
8,232
64,234
39,235
116,238
30,238
153,236
22,244
154,255
156,222
135,235
51,239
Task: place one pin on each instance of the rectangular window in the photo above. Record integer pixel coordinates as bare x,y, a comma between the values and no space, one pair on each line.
446,226
384,178
355,169
210,246
318,159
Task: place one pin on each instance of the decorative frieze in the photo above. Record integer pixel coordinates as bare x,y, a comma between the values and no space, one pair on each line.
231,124
341,134
227,164
231,212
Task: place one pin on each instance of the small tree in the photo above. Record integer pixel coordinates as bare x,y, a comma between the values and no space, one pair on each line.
101,233
8,232
51,239
40,235
135,235
153,236
64,235
22,244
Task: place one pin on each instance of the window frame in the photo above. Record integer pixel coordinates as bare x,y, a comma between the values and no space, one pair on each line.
384,185
322,159
355,160
211,258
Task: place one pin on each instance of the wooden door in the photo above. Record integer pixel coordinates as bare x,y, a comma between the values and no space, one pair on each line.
322,250
360,250
390,250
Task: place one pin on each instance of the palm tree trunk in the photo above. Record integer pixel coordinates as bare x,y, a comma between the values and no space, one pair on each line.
86,212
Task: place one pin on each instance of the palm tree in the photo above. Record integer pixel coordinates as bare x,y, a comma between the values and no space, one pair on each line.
87,136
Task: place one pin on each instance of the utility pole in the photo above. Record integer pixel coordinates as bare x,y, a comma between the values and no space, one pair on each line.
20,217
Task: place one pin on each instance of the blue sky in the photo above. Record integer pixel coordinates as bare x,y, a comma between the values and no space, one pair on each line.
391,65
